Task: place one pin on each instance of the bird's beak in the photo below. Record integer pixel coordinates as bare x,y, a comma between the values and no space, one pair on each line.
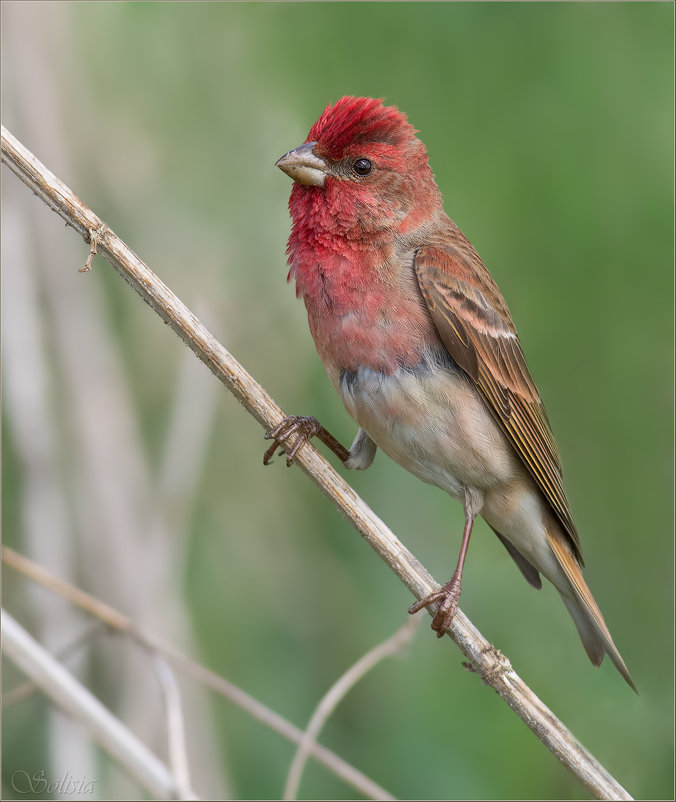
304,166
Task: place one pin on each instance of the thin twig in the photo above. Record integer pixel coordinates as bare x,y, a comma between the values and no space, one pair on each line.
80,704
94,242
222,686
178,756
340,688
492,666
104,612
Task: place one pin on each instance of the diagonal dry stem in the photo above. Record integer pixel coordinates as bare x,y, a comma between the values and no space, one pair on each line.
83,706
28,688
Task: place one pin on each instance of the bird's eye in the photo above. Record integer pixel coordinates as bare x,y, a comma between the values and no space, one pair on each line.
362,167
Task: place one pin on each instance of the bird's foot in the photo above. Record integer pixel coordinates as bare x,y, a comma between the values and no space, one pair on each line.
448,596
303,428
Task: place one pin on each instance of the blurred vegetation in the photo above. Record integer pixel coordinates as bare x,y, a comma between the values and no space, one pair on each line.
550,130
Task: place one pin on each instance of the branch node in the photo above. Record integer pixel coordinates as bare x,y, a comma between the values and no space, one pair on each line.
494,665
95,234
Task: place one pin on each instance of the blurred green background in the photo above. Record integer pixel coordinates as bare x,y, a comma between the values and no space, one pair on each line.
129,470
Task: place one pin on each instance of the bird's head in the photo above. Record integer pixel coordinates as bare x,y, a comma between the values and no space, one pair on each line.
364,167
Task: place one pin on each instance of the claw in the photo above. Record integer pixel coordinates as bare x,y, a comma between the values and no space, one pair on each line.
448,597
304,427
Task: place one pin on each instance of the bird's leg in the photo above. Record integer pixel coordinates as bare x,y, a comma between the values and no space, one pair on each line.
303,429
449,594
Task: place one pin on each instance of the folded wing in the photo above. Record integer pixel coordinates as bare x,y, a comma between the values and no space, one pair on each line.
474,324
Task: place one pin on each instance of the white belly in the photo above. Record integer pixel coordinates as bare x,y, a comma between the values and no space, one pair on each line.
433,423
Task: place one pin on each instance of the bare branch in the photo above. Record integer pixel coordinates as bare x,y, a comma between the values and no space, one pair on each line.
252,706
66,692
493,667
339,689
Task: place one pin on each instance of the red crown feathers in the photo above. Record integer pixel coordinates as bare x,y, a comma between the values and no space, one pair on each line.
358,120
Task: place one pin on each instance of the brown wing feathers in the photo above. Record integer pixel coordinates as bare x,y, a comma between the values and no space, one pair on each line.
476,327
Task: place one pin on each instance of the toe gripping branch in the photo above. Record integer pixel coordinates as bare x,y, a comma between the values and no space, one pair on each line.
448,597
296,430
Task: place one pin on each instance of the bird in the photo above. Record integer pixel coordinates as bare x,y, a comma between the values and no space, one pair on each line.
419,343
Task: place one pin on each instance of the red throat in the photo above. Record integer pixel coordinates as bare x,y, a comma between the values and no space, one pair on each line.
351,289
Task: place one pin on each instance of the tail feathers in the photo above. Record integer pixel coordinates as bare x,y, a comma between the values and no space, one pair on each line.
529,571
585,613
593,645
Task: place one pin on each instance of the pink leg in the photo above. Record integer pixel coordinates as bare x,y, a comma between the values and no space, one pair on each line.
449,594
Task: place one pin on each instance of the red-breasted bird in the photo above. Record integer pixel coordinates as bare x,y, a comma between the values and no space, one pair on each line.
420,345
